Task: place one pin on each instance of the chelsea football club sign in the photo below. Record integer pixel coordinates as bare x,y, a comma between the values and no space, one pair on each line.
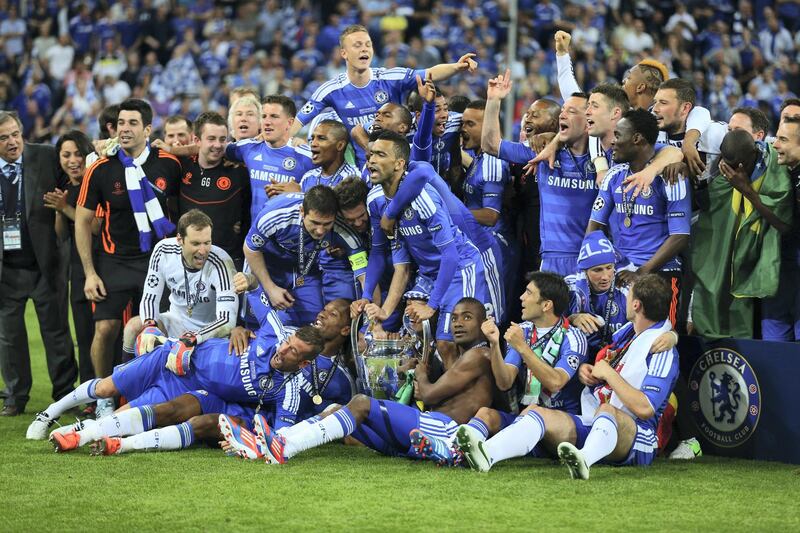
725,397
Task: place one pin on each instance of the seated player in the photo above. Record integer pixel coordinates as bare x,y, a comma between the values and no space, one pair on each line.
198,276
449,265
389,427
284,245
261,376
625,395
543,355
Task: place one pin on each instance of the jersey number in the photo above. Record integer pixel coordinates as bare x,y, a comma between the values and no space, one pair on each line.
205,182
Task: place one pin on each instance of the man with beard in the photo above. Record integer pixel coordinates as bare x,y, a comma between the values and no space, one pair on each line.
395,429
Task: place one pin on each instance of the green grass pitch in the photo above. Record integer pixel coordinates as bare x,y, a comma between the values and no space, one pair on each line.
342,488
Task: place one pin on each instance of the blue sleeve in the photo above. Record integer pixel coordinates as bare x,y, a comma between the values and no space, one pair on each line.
422,147
375,267
356,254
604,203
234,152
661,374
679,207
257,235
513,357
409,189
311,109
575,353
269,325
494,183
659,146
515,152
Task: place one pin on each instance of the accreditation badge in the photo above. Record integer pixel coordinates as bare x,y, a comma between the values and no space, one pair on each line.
12,234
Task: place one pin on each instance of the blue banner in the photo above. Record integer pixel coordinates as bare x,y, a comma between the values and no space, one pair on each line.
742,396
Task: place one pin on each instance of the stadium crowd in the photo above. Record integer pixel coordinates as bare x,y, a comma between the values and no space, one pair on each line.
219,188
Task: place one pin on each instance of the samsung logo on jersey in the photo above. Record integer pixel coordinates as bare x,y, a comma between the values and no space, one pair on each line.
263,175
571,183
409,231
637,209
182,294
360,121
247,376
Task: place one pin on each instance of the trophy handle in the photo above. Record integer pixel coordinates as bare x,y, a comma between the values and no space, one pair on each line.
426,341
362,378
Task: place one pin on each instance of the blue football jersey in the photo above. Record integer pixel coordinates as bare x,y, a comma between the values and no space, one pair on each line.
567,192
570,356
584,300
442,147
314,176
358,105
339,387
277,229
659,211
265,163
484,186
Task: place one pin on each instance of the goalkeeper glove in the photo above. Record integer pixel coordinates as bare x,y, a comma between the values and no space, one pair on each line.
179,360
149,338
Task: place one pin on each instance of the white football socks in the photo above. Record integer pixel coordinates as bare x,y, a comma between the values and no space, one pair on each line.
516,440
602,439
83,393
328,429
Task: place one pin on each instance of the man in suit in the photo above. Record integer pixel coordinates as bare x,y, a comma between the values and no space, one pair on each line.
30,268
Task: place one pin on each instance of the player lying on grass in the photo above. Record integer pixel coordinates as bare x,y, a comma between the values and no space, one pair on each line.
333,385
261,376
390,427
626,392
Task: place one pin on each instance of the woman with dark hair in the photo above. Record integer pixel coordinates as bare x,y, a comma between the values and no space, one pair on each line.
72,148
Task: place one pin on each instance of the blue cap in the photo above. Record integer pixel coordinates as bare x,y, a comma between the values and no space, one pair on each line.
596,249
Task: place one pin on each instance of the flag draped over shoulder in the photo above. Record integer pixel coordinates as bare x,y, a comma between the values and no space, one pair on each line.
736,253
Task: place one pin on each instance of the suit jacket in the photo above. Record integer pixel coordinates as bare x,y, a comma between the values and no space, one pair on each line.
40,171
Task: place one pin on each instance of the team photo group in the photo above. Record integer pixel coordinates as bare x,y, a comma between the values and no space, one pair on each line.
443,261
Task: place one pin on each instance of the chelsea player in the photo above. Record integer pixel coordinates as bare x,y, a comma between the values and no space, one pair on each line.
597,302
356,94
652,229
567,190
206,377
283,249
621,405
271,161
449,265
395,429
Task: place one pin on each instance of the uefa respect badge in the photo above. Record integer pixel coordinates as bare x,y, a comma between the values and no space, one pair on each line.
725,397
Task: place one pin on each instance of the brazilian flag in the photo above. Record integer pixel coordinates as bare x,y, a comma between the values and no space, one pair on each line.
736,255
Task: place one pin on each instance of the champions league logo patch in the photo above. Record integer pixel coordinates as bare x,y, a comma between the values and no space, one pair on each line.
598,204
258,242
408,214
263,299
572,361
647,192
725,397
152,281
381,97
289,163
308,108
265,382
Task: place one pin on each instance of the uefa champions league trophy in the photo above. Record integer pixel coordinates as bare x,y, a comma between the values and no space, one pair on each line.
377,364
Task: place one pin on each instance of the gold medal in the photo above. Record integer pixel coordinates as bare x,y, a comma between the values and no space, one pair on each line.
300,281
627,222
317,399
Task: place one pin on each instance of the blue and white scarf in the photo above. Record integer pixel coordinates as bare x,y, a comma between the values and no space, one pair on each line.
146,208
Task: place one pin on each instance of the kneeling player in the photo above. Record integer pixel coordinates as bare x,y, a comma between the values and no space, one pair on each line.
390,427
621,405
